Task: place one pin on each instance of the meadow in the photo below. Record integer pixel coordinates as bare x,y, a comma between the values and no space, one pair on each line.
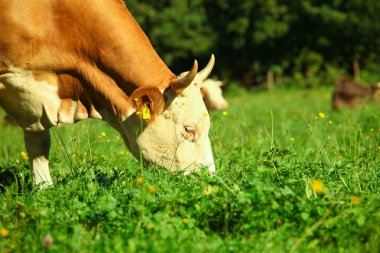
292,176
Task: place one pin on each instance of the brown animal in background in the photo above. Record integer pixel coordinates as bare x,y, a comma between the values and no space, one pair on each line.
349,94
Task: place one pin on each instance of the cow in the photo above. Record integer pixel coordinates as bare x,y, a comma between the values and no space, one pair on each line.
62,61
349,94
212,94
210,88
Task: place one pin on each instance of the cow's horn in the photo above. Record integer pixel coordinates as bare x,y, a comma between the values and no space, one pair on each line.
204,73
178,85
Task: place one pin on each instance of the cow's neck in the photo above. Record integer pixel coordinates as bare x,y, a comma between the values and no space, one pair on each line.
116,44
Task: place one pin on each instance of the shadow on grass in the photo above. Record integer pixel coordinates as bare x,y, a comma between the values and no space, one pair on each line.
17,177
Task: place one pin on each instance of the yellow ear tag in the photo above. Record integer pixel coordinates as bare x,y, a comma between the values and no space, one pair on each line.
146,112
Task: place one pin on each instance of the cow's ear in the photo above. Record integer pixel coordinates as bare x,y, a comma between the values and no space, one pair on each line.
179,84
149,102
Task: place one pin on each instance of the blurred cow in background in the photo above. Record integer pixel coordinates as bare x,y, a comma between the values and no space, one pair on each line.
210,88
212,94
349,94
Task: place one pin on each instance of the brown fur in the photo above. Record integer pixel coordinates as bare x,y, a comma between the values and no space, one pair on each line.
348,93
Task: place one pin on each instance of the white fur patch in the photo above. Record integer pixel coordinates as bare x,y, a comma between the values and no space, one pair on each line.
33,104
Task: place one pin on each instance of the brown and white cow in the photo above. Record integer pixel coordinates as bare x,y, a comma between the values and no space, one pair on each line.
65,60
210,88
350,94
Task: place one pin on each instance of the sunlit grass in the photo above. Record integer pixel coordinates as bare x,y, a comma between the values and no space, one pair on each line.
292,176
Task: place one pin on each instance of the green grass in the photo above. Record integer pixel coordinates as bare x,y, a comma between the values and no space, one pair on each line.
268,150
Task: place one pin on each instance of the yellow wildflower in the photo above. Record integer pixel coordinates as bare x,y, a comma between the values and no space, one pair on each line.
140,180
225,113
102,134
317,186
292,139
321,115
207,191
329,122
153,189
24,155
136,99
4,232
378,147
185,220
355,201
372,129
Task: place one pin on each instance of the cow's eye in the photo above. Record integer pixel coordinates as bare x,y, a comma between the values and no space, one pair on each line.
190,133
190,129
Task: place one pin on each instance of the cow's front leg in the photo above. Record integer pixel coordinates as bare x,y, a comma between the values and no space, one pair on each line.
37,145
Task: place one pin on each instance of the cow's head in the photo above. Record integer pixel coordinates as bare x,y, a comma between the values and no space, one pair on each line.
170,127
212,95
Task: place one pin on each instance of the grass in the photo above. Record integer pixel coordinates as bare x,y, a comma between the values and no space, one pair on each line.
292,176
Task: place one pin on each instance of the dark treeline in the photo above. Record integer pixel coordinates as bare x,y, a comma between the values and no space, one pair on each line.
305,40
